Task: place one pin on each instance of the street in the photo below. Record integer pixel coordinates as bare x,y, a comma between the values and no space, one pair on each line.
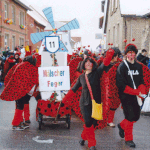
58,137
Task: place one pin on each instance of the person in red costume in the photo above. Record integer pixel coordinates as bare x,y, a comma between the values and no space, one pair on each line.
93,73
19,86
109,89
127,93
11,61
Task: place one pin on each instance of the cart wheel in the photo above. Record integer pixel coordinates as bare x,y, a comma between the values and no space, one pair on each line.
68,121
40,121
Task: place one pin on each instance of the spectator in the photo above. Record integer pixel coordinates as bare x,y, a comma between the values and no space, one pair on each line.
11,61
10,53
143,58
1,69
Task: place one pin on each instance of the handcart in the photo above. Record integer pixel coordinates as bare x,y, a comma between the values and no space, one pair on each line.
53,111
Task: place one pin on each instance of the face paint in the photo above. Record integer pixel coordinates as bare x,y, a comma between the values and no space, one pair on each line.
131,55
88,65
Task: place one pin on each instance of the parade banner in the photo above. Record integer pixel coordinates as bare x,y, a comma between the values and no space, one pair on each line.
54,78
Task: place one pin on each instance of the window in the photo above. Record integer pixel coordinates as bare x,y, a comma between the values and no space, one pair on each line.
6,10
114,36
21,41
13,42
6,39
118,34
27,42
13,14
102,5
112,5
37,29
116,3
21,18
109,36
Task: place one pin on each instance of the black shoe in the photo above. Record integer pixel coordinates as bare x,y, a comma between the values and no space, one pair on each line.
92,148
18,128
130,143
121,131
82,142
24,125
27,121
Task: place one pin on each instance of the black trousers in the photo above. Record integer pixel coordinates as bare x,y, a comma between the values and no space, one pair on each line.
23,100
87,112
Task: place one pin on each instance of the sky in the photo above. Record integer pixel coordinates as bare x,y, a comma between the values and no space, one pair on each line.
87,12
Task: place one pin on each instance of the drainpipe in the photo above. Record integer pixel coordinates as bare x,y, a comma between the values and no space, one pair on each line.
125,29
1,26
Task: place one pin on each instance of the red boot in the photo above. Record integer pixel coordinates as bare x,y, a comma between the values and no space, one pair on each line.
127,126
83,135
90,135
17,120
128,131
17,117
26,113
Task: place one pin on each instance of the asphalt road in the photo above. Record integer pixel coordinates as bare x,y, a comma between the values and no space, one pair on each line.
58,137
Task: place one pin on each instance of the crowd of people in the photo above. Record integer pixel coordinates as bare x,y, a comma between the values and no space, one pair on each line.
109,75
8,58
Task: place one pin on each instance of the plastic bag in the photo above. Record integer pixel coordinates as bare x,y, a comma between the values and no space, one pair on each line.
146,105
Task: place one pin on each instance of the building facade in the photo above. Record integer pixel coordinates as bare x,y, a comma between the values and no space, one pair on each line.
33,27
118,26
13,31
16,25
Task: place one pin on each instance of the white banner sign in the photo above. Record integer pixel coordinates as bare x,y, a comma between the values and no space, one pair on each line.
54,78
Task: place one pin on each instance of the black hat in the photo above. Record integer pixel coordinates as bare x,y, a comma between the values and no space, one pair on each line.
117,51
131,47
86,52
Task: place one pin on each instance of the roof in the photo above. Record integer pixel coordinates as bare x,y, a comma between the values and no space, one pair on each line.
38,17
134,7
128,8
76,39
22,3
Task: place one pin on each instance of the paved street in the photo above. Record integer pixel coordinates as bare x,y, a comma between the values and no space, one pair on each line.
63,138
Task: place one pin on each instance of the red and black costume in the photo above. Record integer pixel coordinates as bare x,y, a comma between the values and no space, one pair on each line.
74,74
110,96
19,81
85,100
128,94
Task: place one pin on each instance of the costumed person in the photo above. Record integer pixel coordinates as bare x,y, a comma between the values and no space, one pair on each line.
27,51
1,70
19,85
100,59
11,61
34,92
108,83
128,94
93,74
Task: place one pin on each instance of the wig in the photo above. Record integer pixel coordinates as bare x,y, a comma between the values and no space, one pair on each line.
92,61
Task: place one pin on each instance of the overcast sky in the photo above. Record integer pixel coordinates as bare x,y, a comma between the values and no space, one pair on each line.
87,12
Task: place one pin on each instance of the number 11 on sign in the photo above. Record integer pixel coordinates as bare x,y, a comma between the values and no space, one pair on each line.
52,43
